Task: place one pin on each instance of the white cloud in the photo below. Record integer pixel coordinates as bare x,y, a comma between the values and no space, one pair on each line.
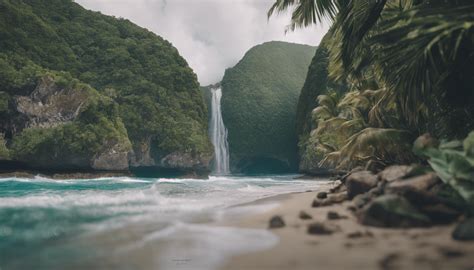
211,35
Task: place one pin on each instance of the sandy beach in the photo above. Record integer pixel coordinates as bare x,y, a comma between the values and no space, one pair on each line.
351,246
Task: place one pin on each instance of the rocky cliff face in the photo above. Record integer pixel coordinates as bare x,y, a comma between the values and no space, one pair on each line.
39,124
51,108
50,105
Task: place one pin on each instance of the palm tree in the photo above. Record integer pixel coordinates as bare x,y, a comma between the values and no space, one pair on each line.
421,50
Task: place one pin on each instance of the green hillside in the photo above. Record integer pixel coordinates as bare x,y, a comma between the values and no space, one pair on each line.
158,96
260,96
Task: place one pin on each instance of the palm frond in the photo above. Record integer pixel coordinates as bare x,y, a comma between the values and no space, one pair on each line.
417,50
306,12
390,145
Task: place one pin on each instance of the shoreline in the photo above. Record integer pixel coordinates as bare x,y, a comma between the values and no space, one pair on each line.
351,246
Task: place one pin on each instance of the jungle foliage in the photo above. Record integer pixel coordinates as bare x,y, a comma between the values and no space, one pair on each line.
408,68
453,161
259,103
156,91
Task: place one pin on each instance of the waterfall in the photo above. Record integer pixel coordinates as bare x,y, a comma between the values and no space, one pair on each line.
218,134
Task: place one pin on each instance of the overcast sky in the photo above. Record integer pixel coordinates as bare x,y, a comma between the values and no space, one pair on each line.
211,35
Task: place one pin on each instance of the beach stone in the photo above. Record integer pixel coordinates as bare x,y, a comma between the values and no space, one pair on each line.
304,215
331,199
332,215
464,231
320,228
322,195
392,211
394,172
276,222
360,182
359,234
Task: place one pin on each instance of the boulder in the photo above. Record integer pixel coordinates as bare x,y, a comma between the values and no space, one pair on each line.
332,215
394,172
440,213
464,231
419,183
304,215
276,222
392,211
360,182
331,199
361,200
322,195
114,158
359,234
321,228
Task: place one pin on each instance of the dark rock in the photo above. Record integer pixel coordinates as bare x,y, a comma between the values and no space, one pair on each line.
464,231
359,234
304,215
450,253
440,213
418,183
378,190
392,211
331,199
360,182
361,200
320,229
322,195
332,215
276,222
374,166
395,172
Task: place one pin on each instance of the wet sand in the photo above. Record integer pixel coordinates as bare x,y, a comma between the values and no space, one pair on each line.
352,246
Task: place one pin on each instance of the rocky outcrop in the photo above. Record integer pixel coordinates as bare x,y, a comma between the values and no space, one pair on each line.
50,105
113,158
399,196
143,156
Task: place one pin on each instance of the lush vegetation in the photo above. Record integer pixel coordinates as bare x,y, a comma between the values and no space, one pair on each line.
157,93
407,67
259,104
453,161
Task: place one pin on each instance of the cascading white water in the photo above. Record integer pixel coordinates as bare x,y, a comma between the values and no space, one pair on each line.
218,134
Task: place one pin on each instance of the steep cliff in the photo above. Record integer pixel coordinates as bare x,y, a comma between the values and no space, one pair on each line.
317,83
52,50
259,101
